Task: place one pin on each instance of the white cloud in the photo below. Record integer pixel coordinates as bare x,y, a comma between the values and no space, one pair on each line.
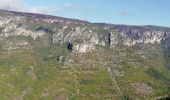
68,6
54,9
20,5
15,5
40,10
125,13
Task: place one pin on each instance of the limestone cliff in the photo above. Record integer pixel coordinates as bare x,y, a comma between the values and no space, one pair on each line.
84,36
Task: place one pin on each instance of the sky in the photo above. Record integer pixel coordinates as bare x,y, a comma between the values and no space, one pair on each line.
130,12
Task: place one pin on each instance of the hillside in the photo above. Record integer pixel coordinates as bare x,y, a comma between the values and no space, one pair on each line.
53,58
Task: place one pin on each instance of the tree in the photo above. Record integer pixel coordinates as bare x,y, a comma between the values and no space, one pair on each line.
70,46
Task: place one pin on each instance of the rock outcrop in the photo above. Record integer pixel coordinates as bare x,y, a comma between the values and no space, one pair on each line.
84,36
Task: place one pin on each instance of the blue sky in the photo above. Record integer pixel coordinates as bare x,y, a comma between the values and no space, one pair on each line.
133,12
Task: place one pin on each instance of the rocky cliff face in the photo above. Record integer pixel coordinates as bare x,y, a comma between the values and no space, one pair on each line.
83,35
139,34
